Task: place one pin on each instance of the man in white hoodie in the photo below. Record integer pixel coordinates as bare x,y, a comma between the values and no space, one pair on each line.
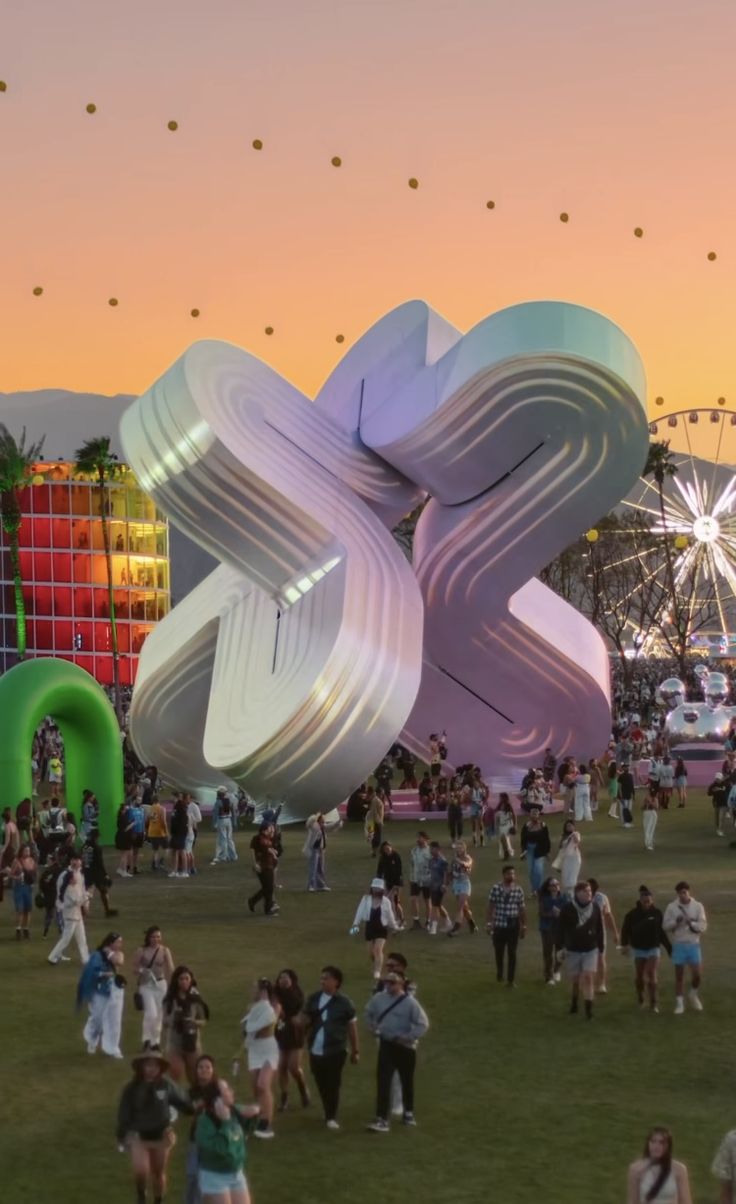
685,922
72,900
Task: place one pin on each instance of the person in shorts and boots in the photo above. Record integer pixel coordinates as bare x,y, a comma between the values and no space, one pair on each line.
144,1122
581,936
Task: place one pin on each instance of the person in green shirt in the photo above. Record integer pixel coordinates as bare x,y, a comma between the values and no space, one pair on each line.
220,1135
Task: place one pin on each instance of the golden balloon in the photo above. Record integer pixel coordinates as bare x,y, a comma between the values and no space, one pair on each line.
91,108
712,255
591,535
564,217
721,401
681,541
257,144
659,401
490,204
336,161
413,183
269,330
113,301
3,86
173,125
38,291
638,232
339,338
194,313
37,479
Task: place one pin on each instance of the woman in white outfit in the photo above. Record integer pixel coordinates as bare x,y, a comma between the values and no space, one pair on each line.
153,966
568,859
649,817
657,1177
71,904
377,914
102,987
582,795
259,1027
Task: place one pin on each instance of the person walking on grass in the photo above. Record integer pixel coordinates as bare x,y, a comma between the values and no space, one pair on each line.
724,1168
649,816
22,874
72,901
222,820
153,967
609,926
315,846
330,1023
581,935
505,825
157,831
398,1020
102,987
643,934
439,870
179,829
220,1134
461,867
375,819
613,787
144,1123
289,997
185,1015
627,792
549,900
420,879
656,1177
259,1029
681,782
506,922
124,839
535,846
264,860
94,872
718,793
48,885
569,858
581,795
390,869
685,922
376,914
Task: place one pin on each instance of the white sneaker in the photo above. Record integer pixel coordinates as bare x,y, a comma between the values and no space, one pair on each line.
679,1005
91,1049
332,1124
398,1111
694,1001
121,873
433,928
174,874
719,832
557,976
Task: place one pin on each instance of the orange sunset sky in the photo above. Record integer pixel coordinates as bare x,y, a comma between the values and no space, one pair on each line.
621,114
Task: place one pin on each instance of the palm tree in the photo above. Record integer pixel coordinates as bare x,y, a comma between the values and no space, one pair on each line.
16,469
95,459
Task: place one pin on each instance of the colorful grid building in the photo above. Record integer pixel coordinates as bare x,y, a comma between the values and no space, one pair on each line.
65,577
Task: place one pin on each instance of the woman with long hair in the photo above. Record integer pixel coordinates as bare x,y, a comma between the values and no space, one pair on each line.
153,966
612,787
549,900
204,1075
581,794
681,782
144,1122
102,987
22,874
656,1177
568,859
185,1015
220,1134
259,1030
461,867
505,825
290,1036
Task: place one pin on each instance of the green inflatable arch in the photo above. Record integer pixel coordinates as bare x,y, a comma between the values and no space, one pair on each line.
92,747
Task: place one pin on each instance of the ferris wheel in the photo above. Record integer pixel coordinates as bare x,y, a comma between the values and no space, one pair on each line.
699,514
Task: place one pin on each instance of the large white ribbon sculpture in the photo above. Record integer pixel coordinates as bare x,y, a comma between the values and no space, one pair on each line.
294,665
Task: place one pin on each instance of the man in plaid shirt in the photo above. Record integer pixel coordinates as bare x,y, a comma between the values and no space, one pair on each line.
506,918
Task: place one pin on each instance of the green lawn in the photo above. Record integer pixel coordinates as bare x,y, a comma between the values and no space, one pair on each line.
517,1101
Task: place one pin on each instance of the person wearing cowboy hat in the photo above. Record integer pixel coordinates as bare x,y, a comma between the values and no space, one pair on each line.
377,914
144,1122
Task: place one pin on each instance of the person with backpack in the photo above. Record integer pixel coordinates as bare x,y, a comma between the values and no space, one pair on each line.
222,819
72,901
398,1021
220,1139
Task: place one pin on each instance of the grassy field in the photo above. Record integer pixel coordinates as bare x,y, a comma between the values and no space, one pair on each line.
516,1100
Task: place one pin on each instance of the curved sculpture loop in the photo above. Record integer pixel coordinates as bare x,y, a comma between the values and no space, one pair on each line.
92,749
296,664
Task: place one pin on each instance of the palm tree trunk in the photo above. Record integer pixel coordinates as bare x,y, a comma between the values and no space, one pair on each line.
111,601
670,575
20,602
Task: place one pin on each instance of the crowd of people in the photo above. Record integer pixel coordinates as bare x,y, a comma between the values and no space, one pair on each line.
54,860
